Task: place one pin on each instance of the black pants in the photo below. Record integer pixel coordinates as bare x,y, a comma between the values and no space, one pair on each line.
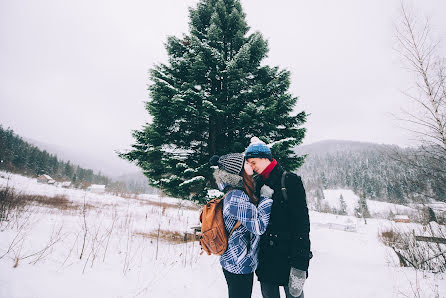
272,291
239,285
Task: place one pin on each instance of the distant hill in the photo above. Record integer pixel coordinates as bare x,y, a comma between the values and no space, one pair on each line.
32,158
137,182
369,169
333,146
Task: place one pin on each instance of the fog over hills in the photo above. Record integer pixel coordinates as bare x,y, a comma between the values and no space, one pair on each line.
110,164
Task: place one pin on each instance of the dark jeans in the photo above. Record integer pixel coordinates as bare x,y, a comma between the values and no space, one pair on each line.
272,291
239,285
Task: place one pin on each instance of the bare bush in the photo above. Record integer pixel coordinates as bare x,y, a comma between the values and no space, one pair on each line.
59,202
168,236
84,226
390,237
20,226
11,205
55,237
12,202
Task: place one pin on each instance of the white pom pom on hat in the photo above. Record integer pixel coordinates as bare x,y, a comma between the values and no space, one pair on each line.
256,140
258,149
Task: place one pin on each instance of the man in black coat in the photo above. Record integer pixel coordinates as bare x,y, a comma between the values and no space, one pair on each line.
284,252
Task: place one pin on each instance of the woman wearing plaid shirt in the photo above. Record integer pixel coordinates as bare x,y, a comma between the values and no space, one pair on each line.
239,261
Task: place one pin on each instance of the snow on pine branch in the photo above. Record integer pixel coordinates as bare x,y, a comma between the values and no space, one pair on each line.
174,150
197,178
214,193
270,145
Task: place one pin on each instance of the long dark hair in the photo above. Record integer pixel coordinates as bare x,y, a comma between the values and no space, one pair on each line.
249,185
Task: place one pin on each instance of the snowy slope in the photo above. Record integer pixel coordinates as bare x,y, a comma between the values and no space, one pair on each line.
345,264
351,199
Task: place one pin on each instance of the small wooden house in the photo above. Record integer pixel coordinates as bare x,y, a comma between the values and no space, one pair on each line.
401,218
45,179
96,188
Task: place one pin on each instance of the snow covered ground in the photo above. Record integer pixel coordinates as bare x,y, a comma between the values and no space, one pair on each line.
122,257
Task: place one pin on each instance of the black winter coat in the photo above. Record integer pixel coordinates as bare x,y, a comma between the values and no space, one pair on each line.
286,242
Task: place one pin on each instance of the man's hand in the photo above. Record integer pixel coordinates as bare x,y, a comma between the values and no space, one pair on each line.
266,191
296,283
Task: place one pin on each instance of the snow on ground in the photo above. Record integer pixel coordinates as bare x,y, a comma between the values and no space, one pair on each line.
121,259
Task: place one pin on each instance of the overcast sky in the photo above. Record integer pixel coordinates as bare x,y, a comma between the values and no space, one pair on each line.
75,73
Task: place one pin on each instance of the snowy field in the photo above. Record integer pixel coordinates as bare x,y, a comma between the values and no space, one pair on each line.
134,247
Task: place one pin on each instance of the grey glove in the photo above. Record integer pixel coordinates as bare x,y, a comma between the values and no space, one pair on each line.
296,283
266,191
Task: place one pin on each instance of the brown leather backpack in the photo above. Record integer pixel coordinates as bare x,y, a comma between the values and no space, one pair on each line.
214,238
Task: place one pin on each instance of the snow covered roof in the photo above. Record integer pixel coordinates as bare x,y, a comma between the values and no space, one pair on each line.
46,177
401,217
97,186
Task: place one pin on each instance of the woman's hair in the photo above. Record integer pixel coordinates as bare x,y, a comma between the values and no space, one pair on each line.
248,183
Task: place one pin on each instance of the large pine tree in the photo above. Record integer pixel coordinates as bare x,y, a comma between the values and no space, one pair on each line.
211,97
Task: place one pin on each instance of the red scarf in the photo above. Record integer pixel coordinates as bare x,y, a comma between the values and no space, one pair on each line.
268,169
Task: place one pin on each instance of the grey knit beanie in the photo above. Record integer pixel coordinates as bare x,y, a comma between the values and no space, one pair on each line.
231,163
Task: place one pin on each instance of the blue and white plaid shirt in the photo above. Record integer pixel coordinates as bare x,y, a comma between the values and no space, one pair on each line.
239,257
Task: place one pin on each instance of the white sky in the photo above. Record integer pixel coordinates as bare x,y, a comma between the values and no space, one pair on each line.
74,73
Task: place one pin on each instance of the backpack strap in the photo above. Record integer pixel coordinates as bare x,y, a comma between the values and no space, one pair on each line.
227,190
284,193
234,228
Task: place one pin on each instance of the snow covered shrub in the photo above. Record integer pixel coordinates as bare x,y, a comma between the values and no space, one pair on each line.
325,208
390,215
416,216
421,248
362,209
441,217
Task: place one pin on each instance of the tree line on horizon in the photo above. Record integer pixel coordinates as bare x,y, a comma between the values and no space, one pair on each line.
18,156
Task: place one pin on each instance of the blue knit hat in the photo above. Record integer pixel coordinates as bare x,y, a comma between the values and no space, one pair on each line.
258,149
